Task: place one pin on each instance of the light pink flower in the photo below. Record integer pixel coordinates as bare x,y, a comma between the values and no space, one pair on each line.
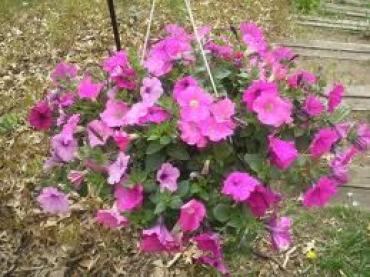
273,110
122,140
313,106
111,218
323,141
151,90
64,147
167,177
253,37
118,168
239,186
63,72
281,232
53,201
335,97
129,199
302,78
362,141
191,215
76,177
119,59
70,127
115,113
155,115
256,89
66,100
282,153
320,194
261,199
184,84
98,133
41,116
223,110
87,89
215,131
191,134
137,112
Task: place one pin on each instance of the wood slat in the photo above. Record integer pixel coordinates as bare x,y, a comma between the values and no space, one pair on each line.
349,25
360,177
358,104
346,10
359,196
356,3
357,91
346,22
331,54
330,45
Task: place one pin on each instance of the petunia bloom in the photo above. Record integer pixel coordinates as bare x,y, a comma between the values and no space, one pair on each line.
191,134
53,201
335,97
320,194
98,133
128,199
155,114
261,199
302,78
118,168
41,116
313,106
282,153
167,177
111,218
151,90
255,90
184,84
122,139
76,177
323,141
87,89
63,72
64,147
281,232
191,215
115,113
239,186
362,141
253,37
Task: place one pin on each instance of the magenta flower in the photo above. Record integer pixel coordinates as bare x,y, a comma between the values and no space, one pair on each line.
119,59
66,100
118,168
302,78
158,239
137,113
63,72
111,218
210,244
87,89
223,110
41,116
191,215
282,153
216,131
129,199
151,90
343,129
261,199
255,90
335,97
167,177
64,147
155,115
115,113
98,133
239,186
224,52
70,127
76,177
184,84
122,140
323,141
253,37
320,194
313,106
281,233
362,141
273,110
281,54
53,201
191,134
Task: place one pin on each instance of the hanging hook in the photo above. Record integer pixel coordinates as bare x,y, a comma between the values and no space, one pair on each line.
113,18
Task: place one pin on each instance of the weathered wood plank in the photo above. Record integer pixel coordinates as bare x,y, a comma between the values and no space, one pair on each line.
340,55
343,24
346,10
353,197
357,3
330,45
332,26
360,177
357,91
358,104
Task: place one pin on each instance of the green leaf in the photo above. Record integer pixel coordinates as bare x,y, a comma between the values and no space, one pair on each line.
254,161
221,212
150,186
183,188
176,203
164,140
160,208
339,115
153,148
152,162
178,152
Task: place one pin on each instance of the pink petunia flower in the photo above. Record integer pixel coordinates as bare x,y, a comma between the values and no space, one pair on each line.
87,89
53,201
66,100
223,110
216,131
118,168
239,186
320,194
167,177
313,106
119,59
98,133
261,199
129,199
323,141
210,244
63,72
76,177
281,232
137,113
151,90
70,127
191,134
273,110
282,153
256,89
302,78
158,239
253,37
335,97
64,147
111,218
191,215
362,141
41,116
155,115
115,113
224,52
343,129
184,84
122,140
339,165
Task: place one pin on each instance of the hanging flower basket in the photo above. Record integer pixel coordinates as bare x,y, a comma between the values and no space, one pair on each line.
192,145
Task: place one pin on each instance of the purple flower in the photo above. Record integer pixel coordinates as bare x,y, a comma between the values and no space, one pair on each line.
362,142
261,199
320,194
122,139
281,233
302,78
151,90
87,89
191,134
335,97
253,37
167,177
64,147
255,90
118,168
53,201
155,115
63,71
191,215
313,106
76,178
128,199
137,113
98,133
184,84
115,113
239,186
41,116
282,153
111,218
323,141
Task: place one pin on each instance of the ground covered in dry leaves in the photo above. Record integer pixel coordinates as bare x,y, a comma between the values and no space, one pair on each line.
34,36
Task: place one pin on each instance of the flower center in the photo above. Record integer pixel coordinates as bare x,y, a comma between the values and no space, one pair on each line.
194,103
269,107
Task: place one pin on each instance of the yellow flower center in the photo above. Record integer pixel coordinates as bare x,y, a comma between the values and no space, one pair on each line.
194,103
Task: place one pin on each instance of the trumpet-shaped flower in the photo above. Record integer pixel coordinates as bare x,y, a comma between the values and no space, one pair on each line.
53,201
282,153
281,232
118,168
98,133
261,199
335,97
323,141
129,199
41,116
151,90
313,106
87,89
255,90
191,215
320,194
167,177
111,218
239,186
115,113
253,37
158,239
